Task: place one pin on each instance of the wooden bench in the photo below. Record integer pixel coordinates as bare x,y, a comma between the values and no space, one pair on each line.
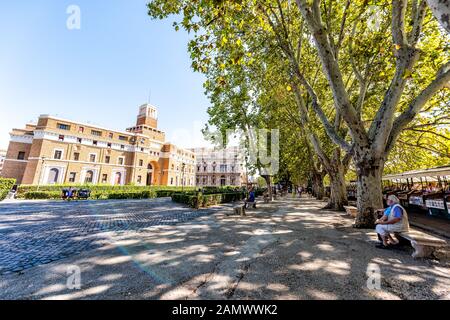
251,204
424,244
351,210
238,210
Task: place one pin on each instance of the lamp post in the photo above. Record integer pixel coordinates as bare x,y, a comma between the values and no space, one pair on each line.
40,173
183,165
136,157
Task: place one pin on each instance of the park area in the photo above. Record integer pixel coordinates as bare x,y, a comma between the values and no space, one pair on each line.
157,249
337,113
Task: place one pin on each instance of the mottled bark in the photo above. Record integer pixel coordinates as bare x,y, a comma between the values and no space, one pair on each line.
269,185
338,196
369,189
441,10
318,189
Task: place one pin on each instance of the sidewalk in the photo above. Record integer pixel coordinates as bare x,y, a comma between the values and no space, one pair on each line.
288,249
438,226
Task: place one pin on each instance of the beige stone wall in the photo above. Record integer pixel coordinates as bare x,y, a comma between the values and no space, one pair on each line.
151,165
13,167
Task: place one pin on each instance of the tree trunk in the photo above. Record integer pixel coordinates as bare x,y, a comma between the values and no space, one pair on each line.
338,196
441,10
369,192
269,186
317,186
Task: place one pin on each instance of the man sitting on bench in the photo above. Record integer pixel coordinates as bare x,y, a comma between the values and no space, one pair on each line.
395,219
251,199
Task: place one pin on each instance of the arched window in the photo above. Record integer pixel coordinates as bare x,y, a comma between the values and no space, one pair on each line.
89,176
53,176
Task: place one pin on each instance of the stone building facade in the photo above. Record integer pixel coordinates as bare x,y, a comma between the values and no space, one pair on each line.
222,167
57,150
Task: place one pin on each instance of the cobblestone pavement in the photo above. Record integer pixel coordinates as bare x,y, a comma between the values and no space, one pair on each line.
35,233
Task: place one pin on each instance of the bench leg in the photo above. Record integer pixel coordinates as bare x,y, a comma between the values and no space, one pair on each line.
421,251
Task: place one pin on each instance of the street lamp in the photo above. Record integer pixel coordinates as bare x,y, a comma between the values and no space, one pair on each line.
40,174
136,157
183,165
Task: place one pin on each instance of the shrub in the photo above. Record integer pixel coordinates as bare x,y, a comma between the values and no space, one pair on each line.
6,185
103,190
3,194
164,193
132,195
211,199
146,194
196,200
39,195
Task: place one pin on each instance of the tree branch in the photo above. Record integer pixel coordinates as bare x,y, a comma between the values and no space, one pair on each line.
442,79
333,74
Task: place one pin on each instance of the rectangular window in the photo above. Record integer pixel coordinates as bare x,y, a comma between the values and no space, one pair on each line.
109,144
21,155
72,176
171,181
95,142
80,129
141,163
123,138
104,178
122,146
61,137
92,157
139,179
96,133
57,155
120,160
79,140
76,156
63,126
107,159
111,135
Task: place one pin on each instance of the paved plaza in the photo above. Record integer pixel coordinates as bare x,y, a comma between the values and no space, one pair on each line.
155,249
34,233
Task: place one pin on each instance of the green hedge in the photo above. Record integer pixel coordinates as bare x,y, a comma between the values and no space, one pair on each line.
206,200
102,191
132,195
146,194
6,185
40,195
3,194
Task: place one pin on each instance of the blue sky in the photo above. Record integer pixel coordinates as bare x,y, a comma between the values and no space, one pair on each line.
100,73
